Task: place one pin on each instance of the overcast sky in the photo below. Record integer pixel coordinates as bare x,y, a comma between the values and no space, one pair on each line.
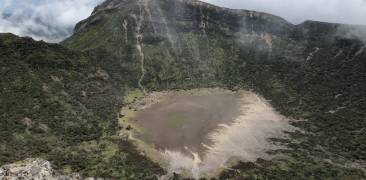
297,11
53,20
50,20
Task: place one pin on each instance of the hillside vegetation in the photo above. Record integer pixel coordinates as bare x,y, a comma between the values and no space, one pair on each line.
62,104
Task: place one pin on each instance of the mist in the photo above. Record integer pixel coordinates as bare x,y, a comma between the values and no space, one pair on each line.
53,21
336,11
352,32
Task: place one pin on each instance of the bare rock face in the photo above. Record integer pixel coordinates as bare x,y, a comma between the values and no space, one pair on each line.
35,169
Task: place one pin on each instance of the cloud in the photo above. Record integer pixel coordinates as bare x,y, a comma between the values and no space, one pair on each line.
49,20
296,11
53,20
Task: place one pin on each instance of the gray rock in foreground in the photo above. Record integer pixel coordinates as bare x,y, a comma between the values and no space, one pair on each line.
36,169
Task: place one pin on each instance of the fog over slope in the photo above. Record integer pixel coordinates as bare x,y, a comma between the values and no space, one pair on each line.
335,11
53,21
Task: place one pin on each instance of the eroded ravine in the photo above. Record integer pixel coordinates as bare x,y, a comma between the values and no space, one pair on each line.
139,45
197,133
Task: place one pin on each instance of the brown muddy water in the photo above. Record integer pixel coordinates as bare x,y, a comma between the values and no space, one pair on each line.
183,122
198,133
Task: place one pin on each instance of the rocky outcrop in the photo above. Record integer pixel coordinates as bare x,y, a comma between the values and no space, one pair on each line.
35,169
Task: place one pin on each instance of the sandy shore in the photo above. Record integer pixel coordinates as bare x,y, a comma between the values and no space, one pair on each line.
199,132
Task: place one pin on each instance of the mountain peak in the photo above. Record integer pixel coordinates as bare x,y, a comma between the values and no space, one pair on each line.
178,9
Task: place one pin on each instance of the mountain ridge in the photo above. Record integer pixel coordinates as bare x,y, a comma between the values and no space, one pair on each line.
300,68
312,72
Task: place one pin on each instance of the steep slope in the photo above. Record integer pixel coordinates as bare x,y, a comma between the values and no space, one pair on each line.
314,72
325,91
60,105
183,43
